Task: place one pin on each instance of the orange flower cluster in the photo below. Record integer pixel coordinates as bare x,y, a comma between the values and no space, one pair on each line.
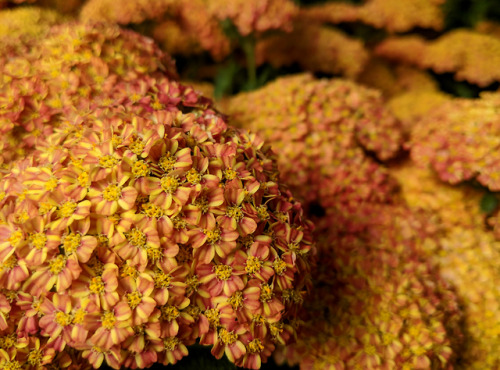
471,55
95,63
314,48
460,141
467,254
391,15
255,16
377,302
321,131
139,222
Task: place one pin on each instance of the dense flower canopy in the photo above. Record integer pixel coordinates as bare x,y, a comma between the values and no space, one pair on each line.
378,303
467,254
472,56
391,15
460,141
315,48
322,130
136,221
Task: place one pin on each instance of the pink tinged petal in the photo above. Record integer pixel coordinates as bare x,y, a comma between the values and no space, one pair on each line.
87,246
229,235
78,334
224,249
145,284
206,254
247,226
171,251
3,322
106,207
127,200
181,196
122,311
198,239
82,210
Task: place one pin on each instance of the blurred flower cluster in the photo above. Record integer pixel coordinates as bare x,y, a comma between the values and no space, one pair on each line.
336,204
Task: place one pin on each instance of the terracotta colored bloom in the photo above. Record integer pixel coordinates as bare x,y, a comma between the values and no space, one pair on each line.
315,48
319,144
138,293
133,202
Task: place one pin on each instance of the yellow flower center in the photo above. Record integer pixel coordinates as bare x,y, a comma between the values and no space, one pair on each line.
213,316
387,338
213,236
179,223
230,174
136,237
262,212
192,283
44,208
35,357
154,254
236,300
57,264
79,316
193,311
63,318
255,346
22,217
12,365
107,161
266,293
253,265
71,243
279,266
227,337
8,341
161,279
134,299
151,210
169,313
67,209
170,343
96,285
276,328
10,263
108,320
140,169
223,272
169,184
15,237
127,270
193,176
112,192
116,140
202,204
83,179
234,212
282,216
51,184
167,163
137,145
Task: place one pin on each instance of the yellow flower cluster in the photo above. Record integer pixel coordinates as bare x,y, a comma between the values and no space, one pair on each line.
472,56
467,254
391,15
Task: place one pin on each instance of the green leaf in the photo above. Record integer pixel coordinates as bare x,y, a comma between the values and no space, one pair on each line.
224,80
489,202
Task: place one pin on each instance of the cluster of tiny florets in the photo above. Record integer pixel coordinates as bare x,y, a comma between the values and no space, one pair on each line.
136,222
322,131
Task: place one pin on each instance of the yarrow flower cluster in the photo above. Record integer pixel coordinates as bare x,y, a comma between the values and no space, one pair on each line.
391,15
377,302
459,141
467,254
139,222
322,131
471,55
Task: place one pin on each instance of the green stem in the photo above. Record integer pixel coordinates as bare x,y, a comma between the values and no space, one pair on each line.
248,44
